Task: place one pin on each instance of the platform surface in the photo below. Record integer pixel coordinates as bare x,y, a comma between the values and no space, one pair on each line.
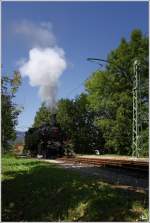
114,157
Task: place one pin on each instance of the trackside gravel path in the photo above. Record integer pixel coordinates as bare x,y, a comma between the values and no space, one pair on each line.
118,177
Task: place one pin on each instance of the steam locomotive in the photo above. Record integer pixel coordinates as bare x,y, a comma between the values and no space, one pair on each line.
46,141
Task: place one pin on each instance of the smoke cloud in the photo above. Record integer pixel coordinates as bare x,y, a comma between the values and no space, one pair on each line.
35,34
46,62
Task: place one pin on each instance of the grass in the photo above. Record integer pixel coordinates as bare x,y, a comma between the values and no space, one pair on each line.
36,191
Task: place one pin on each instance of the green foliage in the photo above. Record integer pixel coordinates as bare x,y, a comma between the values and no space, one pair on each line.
34,191
42,116
65,115
87,135
77,120
9,110
32,136
110,94
145,142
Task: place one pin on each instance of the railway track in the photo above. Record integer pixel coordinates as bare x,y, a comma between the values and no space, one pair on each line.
136,164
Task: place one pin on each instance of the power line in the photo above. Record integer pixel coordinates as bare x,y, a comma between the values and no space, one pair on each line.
70,92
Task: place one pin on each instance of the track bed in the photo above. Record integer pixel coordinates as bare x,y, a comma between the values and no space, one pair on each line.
140,164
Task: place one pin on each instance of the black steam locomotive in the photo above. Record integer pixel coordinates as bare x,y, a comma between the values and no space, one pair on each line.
46,141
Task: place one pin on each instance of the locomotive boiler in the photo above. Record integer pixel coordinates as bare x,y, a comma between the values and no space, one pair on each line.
46,141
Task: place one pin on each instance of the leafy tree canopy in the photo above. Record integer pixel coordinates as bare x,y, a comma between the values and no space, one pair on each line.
77,120
43,115
110,93
10,110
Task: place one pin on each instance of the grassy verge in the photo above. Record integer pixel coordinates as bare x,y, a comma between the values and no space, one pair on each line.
36,191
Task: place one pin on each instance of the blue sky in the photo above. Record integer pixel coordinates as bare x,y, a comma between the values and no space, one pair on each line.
81,29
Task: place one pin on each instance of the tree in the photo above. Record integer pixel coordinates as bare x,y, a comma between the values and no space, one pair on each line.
42,116
66,116
89,137
9,110
77,120
110,93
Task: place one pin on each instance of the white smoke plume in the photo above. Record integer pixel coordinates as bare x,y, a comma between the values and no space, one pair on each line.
44,68
46,62
35,34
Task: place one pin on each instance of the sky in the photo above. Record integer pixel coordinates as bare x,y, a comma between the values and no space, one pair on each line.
67,33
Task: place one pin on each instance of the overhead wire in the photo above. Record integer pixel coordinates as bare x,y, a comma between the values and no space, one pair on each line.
70,92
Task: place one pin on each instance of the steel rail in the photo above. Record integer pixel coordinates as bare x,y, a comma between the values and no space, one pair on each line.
128,164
